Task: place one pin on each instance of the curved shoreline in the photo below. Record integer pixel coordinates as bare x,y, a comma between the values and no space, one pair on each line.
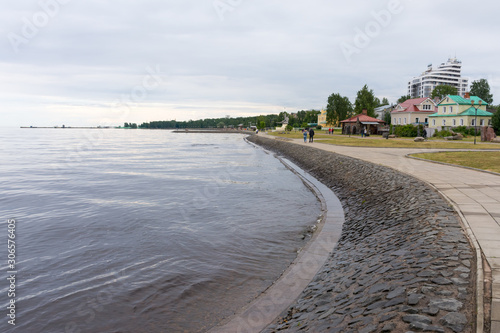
261,312
403,261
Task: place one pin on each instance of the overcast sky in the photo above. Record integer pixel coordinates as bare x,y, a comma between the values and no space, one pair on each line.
89,63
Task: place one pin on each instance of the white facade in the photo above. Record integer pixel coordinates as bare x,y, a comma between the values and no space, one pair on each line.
448,73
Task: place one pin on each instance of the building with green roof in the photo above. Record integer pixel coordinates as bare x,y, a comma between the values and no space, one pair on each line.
455,111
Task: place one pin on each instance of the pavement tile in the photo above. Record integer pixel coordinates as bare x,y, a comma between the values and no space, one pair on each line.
494,263
492,208
495,326
495,310
491,232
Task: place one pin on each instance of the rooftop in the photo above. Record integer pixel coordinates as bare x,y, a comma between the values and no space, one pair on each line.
462,101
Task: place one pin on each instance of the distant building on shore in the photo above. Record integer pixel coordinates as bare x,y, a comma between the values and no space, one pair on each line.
322,121
448,73
456,111
381,110
360,122
413,111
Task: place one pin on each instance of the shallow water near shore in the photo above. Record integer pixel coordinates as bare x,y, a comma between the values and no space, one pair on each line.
151,231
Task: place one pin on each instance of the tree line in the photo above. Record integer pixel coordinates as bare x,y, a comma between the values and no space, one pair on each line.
298,119
268,120
338,108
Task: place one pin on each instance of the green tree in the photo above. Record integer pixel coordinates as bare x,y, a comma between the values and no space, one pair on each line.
221,124
312,116
261,125
289,128
338,108
385,101
301,116
495,121
481,88
365,99
402,99
377,102
443,90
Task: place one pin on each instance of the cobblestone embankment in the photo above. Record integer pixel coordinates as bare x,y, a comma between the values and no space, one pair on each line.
402,264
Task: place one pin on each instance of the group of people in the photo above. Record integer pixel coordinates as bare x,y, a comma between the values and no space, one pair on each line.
311,134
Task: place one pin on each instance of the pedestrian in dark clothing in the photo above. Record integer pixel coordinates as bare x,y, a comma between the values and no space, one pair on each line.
311,135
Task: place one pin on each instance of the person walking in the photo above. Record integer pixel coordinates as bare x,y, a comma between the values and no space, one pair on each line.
311,135
304,132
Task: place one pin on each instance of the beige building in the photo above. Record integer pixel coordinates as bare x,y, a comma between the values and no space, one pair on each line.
413,111
455,111
322,120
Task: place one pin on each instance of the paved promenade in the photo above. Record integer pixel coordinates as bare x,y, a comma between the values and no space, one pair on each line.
474,194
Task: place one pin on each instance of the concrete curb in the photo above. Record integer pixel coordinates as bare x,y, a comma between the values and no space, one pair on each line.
479,263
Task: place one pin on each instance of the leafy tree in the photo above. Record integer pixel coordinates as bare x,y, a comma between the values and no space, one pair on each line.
365,99
385,101
377,102
481,89
443,90
312,116
289,128
402,99
221,125
495,121
338,108
301,116
261,125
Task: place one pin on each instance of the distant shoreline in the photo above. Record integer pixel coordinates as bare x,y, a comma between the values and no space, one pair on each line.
183,130
208,130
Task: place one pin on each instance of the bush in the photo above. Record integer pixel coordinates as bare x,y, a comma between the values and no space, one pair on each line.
409,131
319,127
442,133
471,131
462,130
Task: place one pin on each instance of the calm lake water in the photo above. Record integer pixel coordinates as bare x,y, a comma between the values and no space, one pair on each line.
142,231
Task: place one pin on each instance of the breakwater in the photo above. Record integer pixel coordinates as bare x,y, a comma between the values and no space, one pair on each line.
403,262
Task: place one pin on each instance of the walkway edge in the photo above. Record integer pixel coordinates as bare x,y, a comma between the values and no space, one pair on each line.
479,263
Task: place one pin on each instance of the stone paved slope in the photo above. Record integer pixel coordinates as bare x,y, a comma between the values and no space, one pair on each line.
402,263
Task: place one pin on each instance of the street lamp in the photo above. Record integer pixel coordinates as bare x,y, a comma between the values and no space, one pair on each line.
475,118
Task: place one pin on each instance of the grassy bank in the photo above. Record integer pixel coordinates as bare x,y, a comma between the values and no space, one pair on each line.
378,141
489,161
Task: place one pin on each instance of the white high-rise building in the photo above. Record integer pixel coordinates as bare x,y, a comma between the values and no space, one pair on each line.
447,73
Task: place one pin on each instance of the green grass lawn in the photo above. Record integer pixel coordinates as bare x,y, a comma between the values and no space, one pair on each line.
378,141
484,160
